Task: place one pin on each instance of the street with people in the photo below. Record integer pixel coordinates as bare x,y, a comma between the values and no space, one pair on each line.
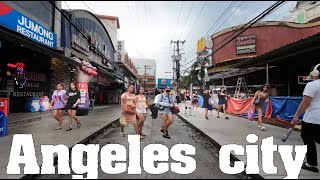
165,90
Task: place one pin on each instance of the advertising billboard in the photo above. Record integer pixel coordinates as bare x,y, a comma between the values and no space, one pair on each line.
163,83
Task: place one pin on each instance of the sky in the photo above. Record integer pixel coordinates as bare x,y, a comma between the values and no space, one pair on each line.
147,27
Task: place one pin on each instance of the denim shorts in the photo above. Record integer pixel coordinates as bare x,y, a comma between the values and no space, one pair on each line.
166,111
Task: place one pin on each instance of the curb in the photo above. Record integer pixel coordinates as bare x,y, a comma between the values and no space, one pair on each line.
83,141
38,118
233,158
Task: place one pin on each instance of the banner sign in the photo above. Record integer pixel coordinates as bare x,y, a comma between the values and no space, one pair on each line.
20,23
304,79
163,83
246,44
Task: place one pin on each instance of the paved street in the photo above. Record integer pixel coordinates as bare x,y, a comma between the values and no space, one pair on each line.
235,130
43,133
206,155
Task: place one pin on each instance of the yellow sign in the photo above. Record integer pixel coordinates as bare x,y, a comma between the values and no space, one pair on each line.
200,45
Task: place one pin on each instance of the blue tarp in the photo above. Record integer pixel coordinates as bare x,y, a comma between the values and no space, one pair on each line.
285,107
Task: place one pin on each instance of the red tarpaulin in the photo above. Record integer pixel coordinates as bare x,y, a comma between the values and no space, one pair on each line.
242,106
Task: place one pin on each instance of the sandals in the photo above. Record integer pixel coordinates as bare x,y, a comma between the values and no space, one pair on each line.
123,134
78,124
69,129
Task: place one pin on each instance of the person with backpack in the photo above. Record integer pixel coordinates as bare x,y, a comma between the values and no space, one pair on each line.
165,102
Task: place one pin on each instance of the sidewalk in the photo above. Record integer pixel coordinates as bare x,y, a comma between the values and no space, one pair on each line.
43,133
235,130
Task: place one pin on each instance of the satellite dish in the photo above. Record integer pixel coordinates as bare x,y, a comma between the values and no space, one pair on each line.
208,43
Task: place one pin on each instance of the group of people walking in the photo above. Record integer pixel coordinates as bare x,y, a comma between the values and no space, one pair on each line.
134,110
63,100
258,102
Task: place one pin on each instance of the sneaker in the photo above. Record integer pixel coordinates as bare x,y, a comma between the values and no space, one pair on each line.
166,136
141,137
312,169
263,128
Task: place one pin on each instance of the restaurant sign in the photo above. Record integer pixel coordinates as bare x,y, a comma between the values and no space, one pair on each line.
246,44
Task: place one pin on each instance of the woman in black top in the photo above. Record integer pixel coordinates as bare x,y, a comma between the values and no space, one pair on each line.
222,102
72,105
206,98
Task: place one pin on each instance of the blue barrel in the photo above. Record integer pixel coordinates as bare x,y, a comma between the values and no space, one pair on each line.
3,124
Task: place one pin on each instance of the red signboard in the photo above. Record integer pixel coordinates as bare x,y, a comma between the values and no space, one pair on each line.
104,81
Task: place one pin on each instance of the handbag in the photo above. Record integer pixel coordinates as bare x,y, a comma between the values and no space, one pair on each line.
175,110
250,115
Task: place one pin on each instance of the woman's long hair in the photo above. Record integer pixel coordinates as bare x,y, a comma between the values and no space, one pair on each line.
265,86
75,84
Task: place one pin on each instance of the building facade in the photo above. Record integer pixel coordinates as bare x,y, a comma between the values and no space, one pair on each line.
30,47
146,73
305,12
274,53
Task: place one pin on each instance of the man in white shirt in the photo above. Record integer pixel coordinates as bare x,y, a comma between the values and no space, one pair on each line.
310,131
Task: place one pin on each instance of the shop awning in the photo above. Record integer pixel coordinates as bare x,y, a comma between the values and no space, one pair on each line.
232,72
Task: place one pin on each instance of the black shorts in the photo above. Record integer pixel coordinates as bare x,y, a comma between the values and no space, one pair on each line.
70,107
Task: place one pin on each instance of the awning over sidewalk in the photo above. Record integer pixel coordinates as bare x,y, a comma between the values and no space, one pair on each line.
232,72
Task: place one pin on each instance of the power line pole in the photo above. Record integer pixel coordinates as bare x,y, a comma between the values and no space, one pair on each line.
145,73
176,59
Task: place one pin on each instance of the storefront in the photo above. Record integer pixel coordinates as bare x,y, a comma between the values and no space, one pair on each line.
28,43
274,53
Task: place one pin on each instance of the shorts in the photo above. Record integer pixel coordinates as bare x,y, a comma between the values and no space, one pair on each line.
222,102
165,111
141,110
71,108
61,109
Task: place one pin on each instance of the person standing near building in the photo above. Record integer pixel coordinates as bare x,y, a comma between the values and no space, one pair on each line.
128,110
206,98
210,107
58,104
222,95
310,130
141,108
73,96
195,100
165,102
92,99
260,97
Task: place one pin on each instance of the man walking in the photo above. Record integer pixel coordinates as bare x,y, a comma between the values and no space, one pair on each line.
165,102
310,131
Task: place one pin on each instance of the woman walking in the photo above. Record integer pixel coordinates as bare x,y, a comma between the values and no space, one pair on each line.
195,100
258,101
128,110
58,104
210,107
73,96
222,102
141,108
206,98
165,102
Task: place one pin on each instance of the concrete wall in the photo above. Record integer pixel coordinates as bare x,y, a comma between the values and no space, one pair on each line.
269,36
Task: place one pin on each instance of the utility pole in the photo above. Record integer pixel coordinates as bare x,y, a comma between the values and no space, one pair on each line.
145,73
176,59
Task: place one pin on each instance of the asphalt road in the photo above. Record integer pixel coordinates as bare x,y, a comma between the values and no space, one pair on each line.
206,154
